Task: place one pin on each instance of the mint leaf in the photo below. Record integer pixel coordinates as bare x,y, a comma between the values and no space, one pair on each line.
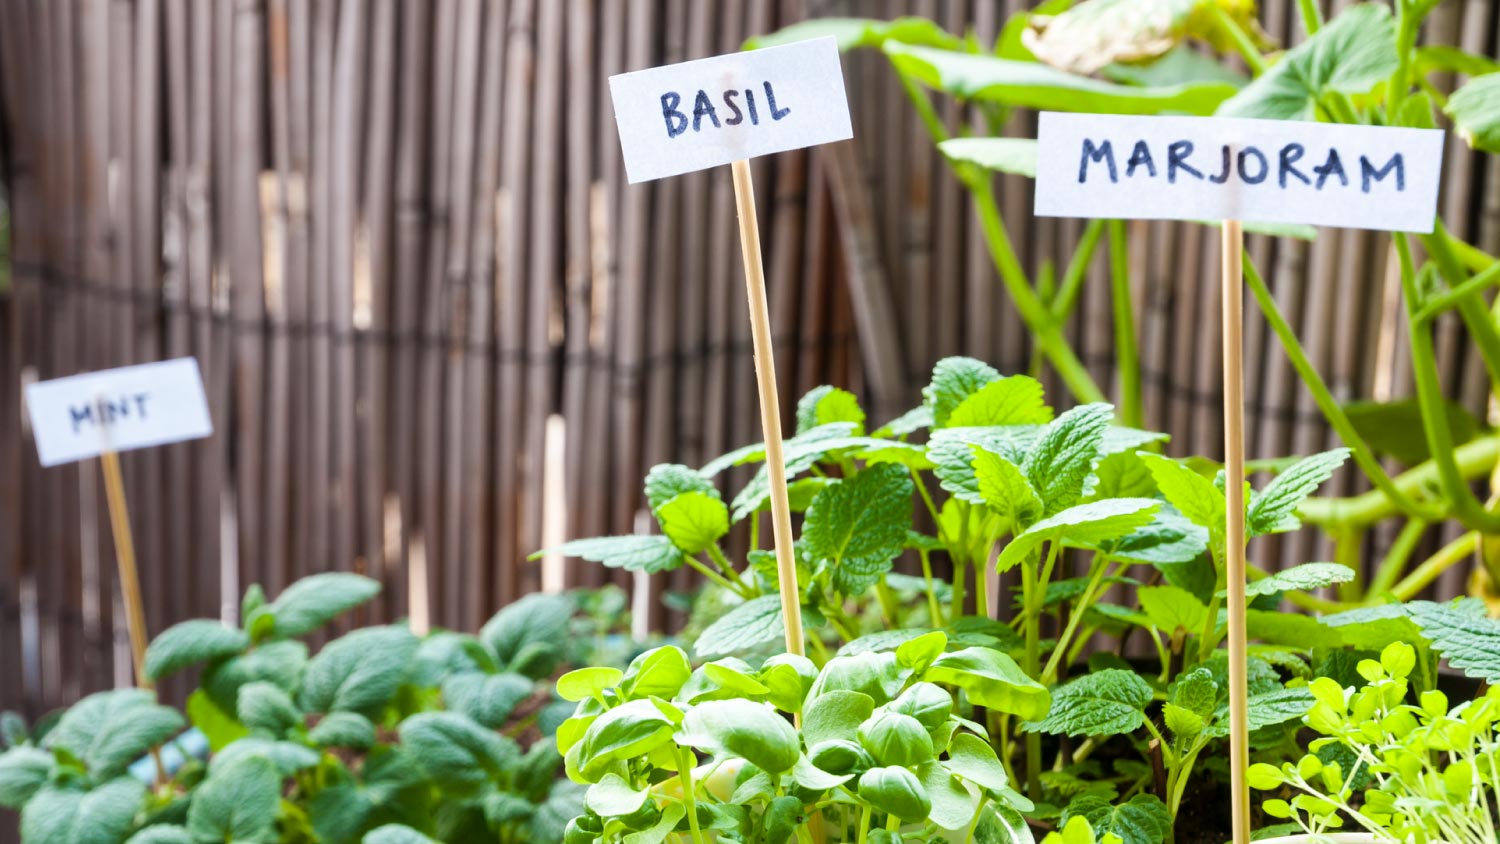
107,731
953,380
650,554
1104,703
825,404
189,643
1196,692
1171,609
857,526
1143,819
1470,643
1300,578
1121,475
666,481
694,520
1003,487
1372,628
1065,455
911,421
749,625
1085,525
1193,495
1167,539
358,672
1009,400
1274,509
314,601
59,814
1267,709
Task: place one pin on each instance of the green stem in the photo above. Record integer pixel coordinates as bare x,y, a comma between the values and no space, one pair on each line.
1312,16
1428,571
1127,357
716,554
1475,460
1332,410
1049,338
1395,559
1077,270
1030,589
1450,298
888,604
1239,38
714,576
932,602
864,824
892,823
685,771
1096,576
1470,305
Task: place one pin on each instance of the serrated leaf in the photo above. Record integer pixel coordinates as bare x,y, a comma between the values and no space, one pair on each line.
237,803
1002,486
694,521
59,814
1063,457
1352,54
666,481
825,404
487,698
1372,628
1143,819
454,751
1121,475
107,731
801,454
650,554
1193,495
747,626
1196,692
23,771
797,446
1104,703
1168,539
1085,525
1266,709
1470,643
1008,400
1274,509
358,672
315,600
953,380
1182,722
912,420
189,643
1301,578
857,527
1170,609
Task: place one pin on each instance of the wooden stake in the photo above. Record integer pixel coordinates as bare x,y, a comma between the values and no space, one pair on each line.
1231,249
770,412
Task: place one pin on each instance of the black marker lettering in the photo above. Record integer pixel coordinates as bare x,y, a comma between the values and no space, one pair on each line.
776,114
750,104
1103,152
1224,174
669,102
1265,166
81,415
702,106
1289,154
1367,173
1177,154
739,116
140,404
1140,156
1334,165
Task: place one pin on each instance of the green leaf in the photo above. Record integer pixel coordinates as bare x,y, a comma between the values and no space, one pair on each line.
237,803
631,729
1267,709
23,771
1352,54
666,481
358,672
954,379
344,729
912,420
58,814
878,675
1062,459
279,663
1029,85
395,833
835,716
825,404
219,727
1143,819
1002,486
1475,109
893,738
747,626
1274,509
659,671
1008,400
1300,578
162,834
917,653
288,757
857,527
1442,58
265,706
1372,628
1179,64
582,683
787,678
1104,703
1171,609
1196,692
952,803
189,643
799,450
743,729
527,637
897,791
694,521
671,816
1299,631
1121,475
1193,495
972,758
1387,427
1167,539
1470,643
108,731
993,680
612,796
1087,525
338,812
650,554
315,600
1182,722
487,698
455,752
1015,156
853,33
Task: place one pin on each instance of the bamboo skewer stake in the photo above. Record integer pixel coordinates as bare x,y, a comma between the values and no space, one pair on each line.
770,406
1231,250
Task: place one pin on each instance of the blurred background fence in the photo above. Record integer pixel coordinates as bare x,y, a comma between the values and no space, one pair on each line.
438,330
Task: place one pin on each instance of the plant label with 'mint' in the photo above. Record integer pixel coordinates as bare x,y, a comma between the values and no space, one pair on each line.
694,115
1218,168
117,410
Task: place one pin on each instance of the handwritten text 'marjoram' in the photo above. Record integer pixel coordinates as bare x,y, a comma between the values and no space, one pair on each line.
1288,165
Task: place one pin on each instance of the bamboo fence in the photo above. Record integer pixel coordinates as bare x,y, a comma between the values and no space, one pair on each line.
396,235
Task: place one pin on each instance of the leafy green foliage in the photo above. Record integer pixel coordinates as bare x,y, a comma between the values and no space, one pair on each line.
1355,52
1475,114
1103,703
1469,641
857,527
1141,820
190,643
1302,577
747,626
107,731
1273,509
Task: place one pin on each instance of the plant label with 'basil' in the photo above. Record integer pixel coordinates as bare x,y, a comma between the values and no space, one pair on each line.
1216,168
695,115
117,410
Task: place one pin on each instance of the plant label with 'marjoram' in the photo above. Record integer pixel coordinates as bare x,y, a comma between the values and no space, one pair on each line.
694,115
1217,168
117,410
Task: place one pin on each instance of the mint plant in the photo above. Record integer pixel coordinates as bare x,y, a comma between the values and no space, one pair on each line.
381,736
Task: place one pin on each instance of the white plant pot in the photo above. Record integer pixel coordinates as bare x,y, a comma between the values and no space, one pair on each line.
1324,838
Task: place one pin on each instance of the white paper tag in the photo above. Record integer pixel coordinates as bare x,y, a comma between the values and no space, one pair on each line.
1218,168
117,409
683,117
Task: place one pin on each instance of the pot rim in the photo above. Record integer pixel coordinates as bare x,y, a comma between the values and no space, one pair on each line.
1323,838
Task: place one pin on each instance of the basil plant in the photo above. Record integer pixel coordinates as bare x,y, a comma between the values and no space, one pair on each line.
882,753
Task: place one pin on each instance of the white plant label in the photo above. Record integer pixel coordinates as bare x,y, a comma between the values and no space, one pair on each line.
694,115
117,410
1219,168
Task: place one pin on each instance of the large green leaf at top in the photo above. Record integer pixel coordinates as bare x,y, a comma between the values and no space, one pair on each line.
1037,86
1087,525
58,814
1352,54
666,481
694,520
314,601
1015,156
1104,703
1009,400
992,679
107,731
857,526
1470,642
852,33
1475,109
